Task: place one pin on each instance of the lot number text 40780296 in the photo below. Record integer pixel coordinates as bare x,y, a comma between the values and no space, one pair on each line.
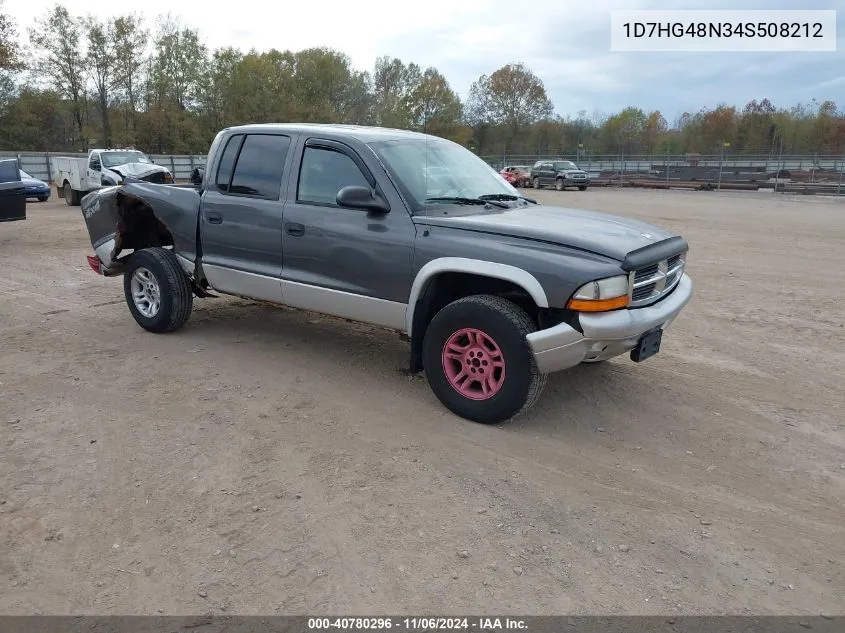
417,624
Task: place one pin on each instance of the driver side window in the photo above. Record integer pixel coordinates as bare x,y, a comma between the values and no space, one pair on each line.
94,163
323,173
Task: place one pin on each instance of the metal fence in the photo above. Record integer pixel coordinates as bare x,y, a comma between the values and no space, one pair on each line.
39,165
617,163
726,167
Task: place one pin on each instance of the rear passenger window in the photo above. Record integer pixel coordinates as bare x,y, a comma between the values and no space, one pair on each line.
227,162
260,164
324,172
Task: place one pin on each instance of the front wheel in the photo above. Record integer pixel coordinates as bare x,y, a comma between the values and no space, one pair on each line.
157,290
559,184
478,361
582,188
536,182
42,199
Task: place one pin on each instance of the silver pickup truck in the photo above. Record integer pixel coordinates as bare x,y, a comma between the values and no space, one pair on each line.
403,231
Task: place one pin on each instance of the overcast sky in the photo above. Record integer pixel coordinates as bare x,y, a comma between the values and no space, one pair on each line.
566,43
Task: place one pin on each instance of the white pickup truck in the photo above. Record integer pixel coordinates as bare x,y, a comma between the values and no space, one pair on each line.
74,177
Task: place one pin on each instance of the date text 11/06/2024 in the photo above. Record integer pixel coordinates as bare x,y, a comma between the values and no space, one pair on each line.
416,624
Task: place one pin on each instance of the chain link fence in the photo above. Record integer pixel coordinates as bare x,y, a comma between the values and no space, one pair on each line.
733,170
795,173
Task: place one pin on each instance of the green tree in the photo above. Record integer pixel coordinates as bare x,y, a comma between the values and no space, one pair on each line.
435,107
60,60
393,84
10,62
9,59
101,61
623,132
129,41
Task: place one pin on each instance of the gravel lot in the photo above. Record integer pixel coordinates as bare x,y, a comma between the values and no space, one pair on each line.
264,460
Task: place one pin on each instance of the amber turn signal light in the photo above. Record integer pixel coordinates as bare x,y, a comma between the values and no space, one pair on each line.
597,305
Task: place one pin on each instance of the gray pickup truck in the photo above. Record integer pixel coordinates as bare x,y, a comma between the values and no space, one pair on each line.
493,290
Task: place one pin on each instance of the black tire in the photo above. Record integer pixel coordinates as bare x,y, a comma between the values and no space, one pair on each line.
42,199
559,184
582,187
68,193
507,325
536,182
176,298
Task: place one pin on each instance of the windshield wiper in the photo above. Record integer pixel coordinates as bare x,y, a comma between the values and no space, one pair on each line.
460,200
505,196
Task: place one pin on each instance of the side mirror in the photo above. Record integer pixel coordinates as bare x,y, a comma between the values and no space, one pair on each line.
362,198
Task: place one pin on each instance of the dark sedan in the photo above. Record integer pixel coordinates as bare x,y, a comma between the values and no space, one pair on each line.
35,188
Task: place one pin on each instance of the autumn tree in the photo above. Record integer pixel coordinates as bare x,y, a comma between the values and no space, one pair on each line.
654,131
512,96
59,58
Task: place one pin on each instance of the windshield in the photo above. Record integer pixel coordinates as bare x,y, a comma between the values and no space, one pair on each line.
113,159
425,169
565,164
25,175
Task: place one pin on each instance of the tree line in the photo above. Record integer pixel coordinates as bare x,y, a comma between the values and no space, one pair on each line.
86,81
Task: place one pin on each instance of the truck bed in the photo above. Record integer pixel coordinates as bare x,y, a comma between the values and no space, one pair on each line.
124,217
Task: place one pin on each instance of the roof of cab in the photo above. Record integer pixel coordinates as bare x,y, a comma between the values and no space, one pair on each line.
363,133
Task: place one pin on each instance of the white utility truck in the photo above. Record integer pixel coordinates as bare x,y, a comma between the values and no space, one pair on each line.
74,177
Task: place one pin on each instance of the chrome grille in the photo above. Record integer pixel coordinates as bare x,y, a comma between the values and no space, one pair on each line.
650,283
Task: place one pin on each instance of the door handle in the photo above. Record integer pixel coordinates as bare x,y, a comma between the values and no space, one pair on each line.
214,218
295,229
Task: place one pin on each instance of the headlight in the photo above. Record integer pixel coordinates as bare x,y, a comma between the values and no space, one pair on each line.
601,295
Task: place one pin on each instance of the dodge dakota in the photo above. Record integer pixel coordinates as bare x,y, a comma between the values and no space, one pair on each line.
404,231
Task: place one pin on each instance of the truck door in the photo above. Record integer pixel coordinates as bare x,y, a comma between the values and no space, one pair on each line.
12,193
94,173
241,216
346,262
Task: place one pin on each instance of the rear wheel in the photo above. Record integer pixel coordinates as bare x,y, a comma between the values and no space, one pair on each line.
157,290
477,359
72,196
536,182
42,199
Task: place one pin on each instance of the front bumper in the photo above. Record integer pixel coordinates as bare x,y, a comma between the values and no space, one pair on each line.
39,192
606,334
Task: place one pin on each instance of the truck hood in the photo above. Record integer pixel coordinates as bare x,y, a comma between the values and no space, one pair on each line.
136,170
601,233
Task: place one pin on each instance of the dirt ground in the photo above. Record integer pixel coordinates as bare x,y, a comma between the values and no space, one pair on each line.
265,461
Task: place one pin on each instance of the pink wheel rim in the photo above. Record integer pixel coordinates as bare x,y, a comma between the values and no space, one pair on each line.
474,365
